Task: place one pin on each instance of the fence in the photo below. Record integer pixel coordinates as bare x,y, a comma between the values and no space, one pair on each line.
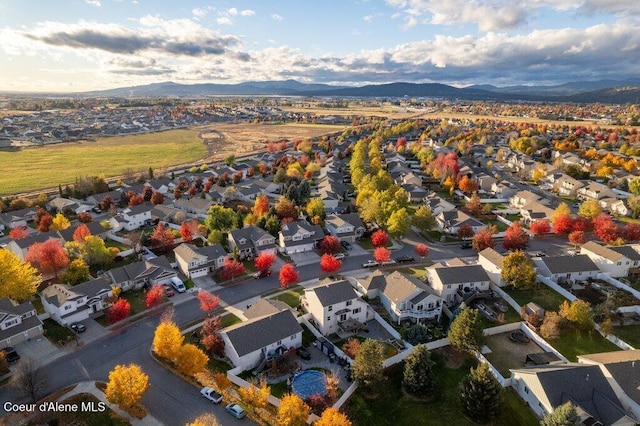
305,320
620,285
502,328
386,326
397,357
438,344
506,297
549,283
345,396
629,309
540,341
243,383
504,382
122,240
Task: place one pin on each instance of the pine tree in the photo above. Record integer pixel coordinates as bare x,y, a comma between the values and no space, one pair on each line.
419,379
481,394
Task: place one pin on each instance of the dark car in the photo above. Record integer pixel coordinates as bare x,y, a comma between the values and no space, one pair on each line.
262,274
405,259
96,210
466,245
303,353
78,327
168,291
346,245
10,354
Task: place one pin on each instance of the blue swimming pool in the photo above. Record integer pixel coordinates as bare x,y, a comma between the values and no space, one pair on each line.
308,383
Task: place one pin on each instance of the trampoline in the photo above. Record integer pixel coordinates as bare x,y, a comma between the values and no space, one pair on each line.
308,383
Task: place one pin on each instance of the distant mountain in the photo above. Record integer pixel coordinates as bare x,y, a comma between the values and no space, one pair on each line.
612,95
565,89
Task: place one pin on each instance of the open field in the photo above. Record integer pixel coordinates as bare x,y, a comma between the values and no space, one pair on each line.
387,110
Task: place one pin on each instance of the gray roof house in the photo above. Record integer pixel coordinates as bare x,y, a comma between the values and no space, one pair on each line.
455,282
196,261
264,307
299,236
567,268
251,241
18,322
66,304
346,227
143,273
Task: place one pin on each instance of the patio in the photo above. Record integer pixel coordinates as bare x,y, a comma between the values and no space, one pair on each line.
506,354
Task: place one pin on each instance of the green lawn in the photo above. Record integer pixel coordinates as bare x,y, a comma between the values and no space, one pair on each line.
630,334
56,333
118,245
136,299
229,320
291,298
501,227
542,295
30,169
574,342
307,336
417,272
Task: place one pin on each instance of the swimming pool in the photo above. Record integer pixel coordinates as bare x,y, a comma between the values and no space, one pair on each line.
308,383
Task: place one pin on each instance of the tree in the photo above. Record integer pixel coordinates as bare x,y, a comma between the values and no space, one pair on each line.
161,237
332,417
330,245
367,365
188,229
398,223
157,198
315,207
381,254
518,271
540,227
85,217
95,252
515,237
379,238
206,419
30,379
562,224
590,209
483,239
80,233
467,184
18,280
292,411
49,257
465,332
19,232
45,223
126,385
474,206
422,250
631,232
605,229
167,339
231,269
481,394
210,335
351,347
260,205
465,232
77,272
288,275
208,302
578,312
286,209
563,415
419,379
551,325
577,238
562,210
329,263
191,360
581,224
60,222
154,296
423,219
221,219
118,311
264,261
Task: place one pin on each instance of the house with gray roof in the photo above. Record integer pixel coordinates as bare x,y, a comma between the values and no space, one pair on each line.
196,261
18,322
451,222
94,228
145,273
135,216
567,268
299,236
194,207
612,260
335,307
66,304
18,217
345,227
491,261
251,342
251,241
20,247
264,307
453,281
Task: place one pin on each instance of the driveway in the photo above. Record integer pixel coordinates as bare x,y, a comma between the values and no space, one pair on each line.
205,282
305,258
42,350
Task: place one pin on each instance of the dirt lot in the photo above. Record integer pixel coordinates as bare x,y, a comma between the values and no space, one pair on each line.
506,354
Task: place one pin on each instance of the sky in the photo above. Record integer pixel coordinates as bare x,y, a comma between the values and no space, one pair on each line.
80,45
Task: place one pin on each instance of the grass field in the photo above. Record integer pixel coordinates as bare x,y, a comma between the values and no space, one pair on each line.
45,167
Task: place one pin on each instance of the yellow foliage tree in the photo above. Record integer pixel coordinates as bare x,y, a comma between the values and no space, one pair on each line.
59,223
18,280
590,209
191,360
127,384
449,183
167,340
256,396
332,417
538,174
222,382
292,411
561,210
206,419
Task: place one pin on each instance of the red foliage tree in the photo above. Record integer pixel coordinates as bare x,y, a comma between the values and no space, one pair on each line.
465,231
577,238
631,232
446,165
45,223
162,237
49,257
154,296
208,302
330,245
18,232
264,261
157,198
562,224
118,311
381,254
515,237
540,227
135,199
210,335
422,250
379,238
329,263
231,269
288,275
483,239
582,224
605,229
39,213
188,229
85,217
260,205
81,233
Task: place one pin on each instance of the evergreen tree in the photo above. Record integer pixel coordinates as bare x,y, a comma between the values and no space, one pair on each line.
563,415
481,394
465,333
419,379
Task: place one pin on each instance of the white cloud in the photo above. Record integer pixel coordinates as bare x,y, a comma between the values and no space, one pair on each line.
224,20
95,3
276,17
368,18
200,13
247,12
233,11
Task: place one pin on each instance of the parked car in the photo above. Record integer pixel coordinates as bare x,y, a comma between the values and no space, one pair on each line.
168,291
211,395
78,327
262,274
178,285
96,209
10,355
235,410
370,264
346,245
466,245
405,259
388,262
339,256
303,353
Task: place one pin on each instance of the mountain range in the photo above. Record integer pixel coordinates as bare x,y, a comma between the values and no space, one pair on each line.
605,91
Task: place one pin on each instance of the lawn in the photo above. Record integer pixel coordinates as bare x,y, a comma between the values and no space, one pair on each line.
630,334
112,243
392,407
418,272
307,336
31,169
136,299
56,333
229,320
81,417
574,342
500,226
543,296
291,298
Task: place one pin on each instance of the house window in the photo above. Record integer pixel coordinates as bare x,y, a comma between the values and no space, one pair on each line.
279,342
293,337
66,308
330,308
419,307
12,322
526,389
356,311
619,263
349,302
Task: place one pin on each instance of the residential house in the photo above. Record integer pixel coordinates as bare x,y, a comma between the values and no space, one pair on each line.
611,260
412,178
166,213
415,193
546,387
251,241
595,191
145,273
135,216
451,222
94,228
20,247
491,261
96,199
567,268
196,261
251,342
194,207
455,282
503,190
19,322
59,204
405,297
248,193
522,198
615,207
18,217
163,185
299,236
66,304
345,227
533,211
264,307
438,204
486,182
334,306
566,186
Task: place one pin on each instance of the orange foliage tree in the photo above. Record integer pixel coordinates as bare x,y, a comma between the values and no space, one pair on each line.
48,257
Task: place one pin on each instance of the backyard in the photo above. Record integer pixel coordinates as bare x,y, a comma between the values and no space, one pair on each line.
574,342
506,354
543,296
630,334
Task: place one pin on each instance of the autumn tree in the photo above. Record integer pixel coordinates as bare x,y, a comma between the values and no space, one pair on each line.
315,207
381,254
157,198
167,339
118,311
605,229
481,394
188,229
467,185
474,206
351,347
45,224
161,237
20,232
231,269
210,336
332,417
221,218
126,385
379,238
465,332
292,411
95,252
551,325
631,232
77,272
367,365
421,250
154,296
590,209
18,280
85,217
260,205
59,223
562,224
399,222
465,232
483,239
330,245
418,377
578,313
518,271
515,237
208,302
563,415
206,419
329,263
540,227
49,257
288,275
191,360
562,210
423,219
80,233
577,238
286,209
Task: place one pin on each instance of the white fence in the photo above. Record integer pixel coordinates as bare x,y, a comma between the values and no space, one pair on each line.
629,309
502,328
540,341
438,344
504,382
304,319
506,297
620,285
503,219
345,396
549,283
243,383
386,326
400,356
122,240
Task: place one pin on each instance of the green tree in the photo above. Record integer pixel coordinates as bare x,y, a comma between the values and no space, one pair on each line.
367,366
398,223
95,252
230,159
465,332
590,209
423,219
221,218
315,207
419,379
77,272
280,176
481,394
518,271
634,186
563,415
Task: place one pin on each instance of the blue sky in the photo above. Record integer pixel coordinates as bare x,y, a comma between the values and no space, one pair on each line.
76,45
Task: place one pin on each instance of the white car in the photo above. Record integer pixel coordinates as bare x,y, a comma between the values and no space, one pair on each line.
211,395
339,256
370,264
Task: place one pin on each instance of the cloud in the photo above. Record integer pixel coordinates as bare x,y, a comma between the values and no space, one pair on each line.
276,17
224,20
199,13
95,3
233,11
247,12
